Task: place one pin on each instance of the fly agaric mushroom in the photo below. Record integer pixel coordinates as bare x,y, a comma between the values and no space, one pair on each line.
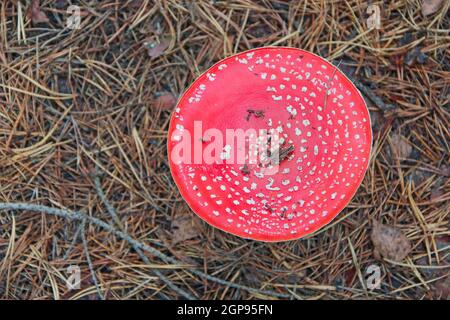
325,141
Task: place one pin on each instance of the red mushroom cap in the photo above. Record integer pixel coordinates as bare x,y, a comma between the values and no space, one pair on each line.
315,109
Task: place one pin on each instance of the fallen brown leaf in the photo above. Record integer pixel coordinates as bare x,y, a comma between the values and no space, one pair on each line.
184,228
389,242
156,49
400,146
166,101
431,6
35,14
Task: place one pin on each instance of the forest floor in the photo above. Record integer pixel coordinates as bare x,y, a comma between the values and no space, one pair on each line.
84,115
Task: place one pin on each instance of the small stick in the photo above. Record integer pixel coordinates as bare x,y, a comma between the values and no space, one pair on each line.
373,97
259,113
284,152
115,218
278,156
89,261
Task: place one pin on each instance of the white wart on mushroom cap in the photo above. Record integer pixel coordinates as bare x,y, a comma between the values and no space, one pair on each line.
331,143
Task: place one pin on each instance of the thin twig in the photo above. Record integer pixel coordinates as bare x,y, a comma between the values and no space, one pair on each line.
76,215
115,218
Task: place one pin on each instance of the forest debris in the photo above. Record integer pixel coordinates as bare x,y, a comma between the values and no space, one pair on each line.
435,269
389,242
259,113
35,13
443,243
284,152
377,120
53,176
376,100
436,190
256,113
445,170
419,176
400,146
415,56
245,169
249,114
156,49
184,228
251,275
431,6
60,4
276,157
166,101
406,39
